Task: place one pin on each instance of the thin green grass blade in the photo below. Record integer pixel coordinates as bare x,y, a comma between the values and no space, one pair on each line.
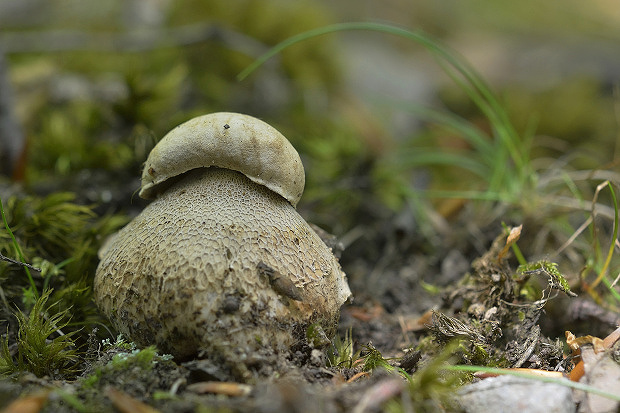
420,157
455,67
612,246
471,195
479,141
560,381
19,251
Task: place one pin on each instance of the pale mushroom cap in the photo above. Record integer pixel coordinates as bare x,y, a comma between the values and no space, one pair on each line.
226,140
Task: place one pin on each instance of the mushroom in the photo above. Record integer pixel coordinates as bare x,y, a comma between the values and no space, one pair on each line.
221,258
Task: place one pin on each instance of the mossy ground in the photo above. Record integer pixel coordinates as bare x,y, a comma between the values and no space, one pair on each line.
420,196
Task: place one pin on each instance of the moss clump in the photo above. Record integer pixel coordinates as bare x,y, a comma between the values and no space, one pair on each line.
140,373
125,360
60,237
42,347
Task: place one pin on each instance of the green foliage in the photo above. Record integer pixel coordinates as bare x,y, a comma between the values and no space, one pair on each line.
267,23
431,388
497,163
480,156
126,358
153,96
340,161
32,289
42,347
373,359
600,261
341,354
64,144
47,226
142,358
61,238
316,336
550,270
55,233
119,344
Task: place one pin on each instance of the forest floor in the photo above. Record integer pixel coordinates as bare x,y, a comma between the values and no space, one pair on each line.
408,310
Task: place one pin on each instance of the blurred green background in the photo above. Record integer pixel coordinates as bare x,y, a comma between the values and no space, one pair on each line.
96,83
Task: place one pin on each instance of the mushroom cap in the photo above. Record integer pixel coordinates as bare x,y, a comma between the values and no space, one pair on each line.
226,140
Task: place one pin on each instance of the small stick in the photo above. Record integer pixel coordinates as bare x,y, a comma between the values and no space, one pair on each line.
3,258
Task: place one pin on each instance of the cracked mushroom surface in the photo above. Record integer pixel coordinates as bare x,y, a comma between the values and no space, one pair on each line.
220,262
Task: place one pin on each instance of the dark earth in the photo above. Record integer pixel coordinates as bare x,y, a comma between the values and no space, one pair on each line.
398,328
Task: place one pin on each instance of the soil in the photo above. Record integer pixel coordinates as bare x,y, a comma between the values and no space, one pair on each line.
395,320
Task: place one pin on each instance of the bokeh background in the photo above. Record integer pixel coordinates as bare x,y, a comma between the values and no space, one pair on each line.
90,86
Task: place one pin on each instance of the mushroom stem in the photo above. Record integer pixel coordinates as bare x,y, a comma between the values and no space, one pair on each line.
186,273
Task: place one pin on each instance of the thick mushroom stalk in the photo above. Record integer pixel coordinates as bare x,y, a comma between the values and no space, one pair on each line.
219,260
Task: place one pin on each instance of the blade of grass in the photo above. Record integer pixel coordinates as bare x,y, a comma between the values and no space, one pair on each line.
611,289
422,157
508,160
455,67
451,121
560,381
612,246
19,252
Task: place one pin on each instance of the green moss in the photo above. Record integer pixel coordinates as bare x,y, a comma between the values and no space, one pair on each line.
550,270
340,354
42,346
431,388
316,336
266,23
125,362
57,234
373,359
61,238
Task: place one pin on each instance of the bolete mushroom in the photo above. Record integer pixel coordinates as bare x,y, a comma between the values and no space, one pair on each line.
220,258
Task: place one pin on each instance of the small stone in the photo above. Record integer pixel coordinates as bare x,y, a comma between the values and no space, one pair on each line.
510,394
317,358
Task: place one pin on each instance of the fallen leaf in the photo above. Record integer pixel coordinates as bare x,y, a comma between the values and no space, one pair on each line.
364,313
28,404
515,234
219,387
127,404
